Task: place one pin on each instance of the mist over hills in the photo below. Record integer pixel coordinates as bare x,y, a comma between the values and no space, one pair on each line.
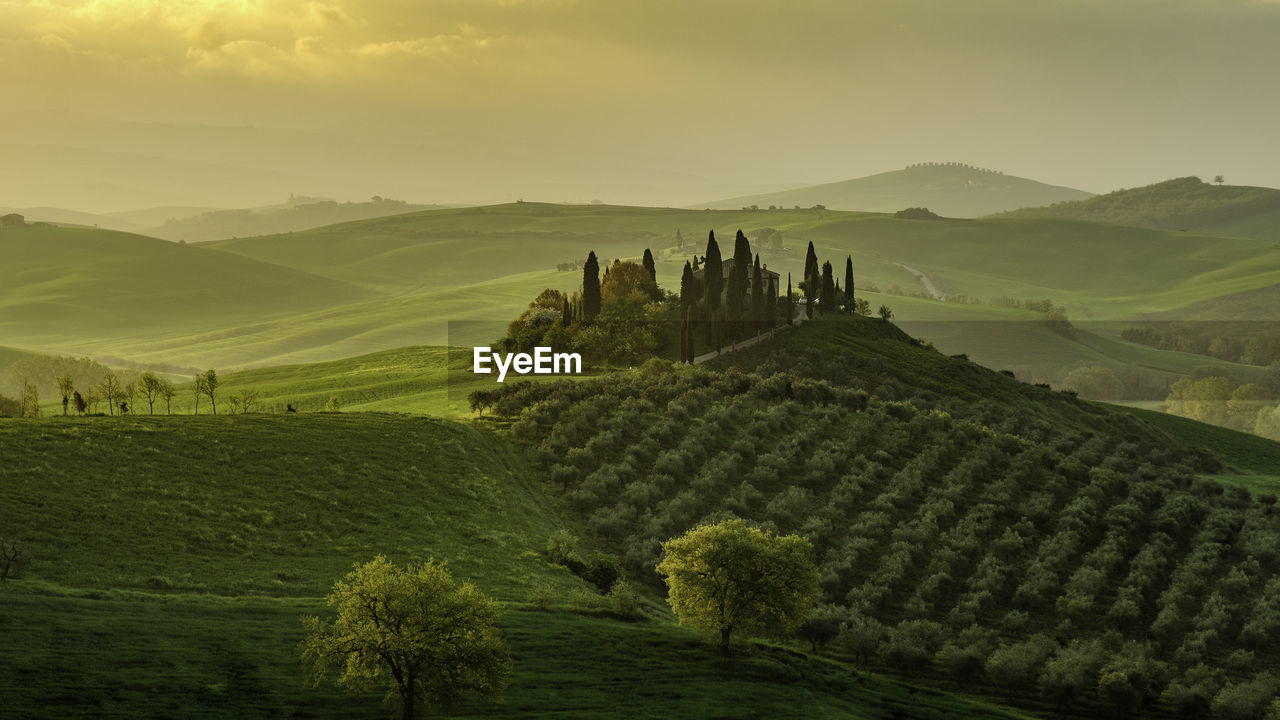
100,165
949,189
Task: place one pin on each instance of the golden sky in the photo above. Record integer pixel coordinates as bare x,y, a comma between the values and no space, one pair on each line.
1081,92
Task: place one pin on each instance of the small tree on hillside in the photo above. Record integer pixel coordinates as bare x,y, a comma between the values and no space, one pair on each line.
647,262
150,386
885,313
197,387
209,387
30,400
66,386
412,631
732,577
109,389
167,391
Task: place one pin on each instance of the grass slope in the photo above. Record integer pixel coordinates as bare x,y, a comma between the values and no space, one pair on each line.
173,557
949,190
69,284
299,214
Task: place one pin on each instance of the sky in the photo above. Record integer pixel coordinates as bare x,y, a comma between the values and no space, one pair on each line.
639,101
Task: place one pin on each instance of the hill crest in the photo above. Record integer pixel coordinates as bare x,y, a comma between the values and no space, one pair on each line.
951,189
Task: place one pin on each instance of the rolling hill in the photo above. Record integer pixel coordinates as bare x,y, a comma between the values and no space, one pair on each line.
63,286
297,214
1180,204
949,189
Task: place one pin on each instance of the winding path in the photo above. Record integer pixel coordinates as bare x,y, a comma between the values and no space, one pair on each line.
925,282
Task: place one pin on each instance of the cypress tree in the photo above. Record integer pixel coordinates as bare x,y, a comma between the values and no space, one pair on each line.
591,287
739,276
713,274
811,279
848,284
786,307
564,312
757,296
648,265
828,298
688,302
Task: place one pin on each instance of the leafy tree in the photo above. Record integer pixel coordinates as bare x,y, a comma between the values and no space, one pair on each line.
732,577
848,285
885,313
411,630
591,287
151,388
1219,179
209,387
66,386
627,281
649,266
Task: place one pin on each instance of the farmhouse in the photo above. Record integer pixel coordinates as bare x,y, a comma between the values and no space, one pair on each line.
768,278
12,220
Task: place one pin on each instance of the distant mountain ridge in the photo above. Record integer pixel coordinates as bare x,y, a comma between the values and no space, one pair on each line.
1186,203
949,189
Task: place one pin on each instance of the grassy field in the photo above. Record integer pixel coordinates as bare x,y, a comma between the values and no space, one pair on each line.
173,557
1253,461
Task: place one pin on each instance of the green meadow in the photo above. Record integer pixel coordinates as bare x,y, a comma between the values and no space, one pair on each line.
171,560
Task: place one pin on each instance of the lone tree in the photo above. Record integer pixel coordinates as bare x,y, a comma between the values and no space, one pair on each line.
732,577
591,287
412,631
647,262
208,384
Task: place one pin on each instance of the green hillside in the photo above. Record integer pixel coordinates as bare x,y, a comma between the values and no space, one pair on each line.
66,285
973,529
1181,204
949,189
173,557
